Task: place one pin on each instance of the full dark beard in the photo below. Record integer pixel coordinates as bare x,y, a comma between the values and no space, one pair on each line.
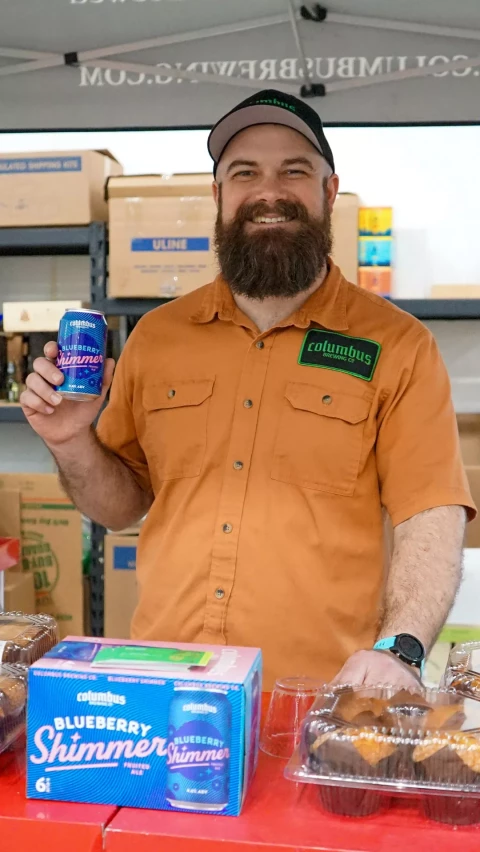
276,261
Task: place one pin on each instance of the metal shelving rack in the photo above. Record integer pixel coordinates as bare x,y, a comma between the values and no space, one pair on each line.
88,240
92,240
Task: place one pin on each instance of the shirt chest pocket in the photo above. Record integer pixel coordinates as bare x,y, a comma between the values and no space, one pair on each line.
320,438
175,436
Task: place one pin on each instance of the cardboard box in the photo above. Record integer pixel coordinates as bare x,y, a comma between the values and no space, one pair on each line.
377,279
25,317
19,592
171,728
161,230
473,528
345,234
455,291
375,221
55,187
120,584
51,531
469,430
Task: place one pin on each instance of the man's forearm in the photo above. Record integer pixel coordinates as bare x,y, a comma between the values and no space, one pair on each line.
98,482
425,573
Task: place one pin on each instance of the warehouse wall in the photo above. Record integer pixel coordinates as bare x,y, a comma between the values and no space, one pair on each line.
429,175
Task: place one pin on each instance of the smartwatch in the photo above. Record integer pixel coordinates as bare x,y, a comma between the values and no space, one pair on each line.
407,648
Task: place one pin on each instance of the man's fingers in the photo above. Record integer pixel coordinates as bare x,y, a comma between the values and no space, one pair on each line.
353,672
43,389
33,404
50,350
107,376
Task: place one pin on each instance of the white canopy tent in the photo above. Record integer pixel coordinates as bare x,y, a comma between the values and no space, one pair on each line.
74,64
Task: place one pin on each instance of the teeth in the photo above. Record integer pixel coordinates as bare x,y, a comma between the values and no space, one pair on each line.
269,220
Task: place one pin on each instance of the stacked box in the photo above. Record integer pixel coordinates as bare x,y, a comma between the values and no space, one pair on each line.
375,249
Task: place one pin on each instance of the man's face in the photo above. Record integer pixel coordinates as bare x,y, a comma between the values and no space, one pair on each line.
274,194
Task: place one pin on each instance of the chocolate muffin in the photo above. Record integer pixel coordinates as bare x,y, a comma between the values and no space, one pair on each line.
350,743
370,736
453,760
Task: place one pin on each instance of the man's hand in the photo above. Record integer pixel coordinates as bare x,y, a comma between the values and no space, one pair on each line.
55,419
377,668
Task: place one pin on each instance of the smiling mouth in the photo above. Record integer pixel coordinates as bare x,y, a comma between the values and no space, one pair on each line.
271,220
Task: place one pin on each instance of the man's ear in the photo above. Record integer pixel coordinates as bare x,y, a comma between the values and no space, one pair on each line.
215,191
332,189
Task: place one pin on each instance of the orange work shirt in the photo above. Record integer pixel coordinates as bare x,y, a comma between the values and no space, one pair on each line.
270,457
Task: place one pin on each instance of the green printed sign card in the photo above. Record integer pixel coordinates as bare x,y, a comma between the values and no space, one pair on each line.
329,350
139,656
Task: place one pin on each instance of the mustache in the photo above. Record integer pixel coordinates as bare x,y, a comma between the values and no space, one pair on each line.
282,208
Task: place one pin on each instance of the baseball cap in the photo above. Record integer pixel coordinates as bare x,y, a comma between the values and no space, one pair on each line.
269,107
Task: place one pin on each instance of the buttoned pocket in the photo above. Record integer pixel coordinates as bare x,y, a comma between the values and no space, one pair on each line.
320,438
176,415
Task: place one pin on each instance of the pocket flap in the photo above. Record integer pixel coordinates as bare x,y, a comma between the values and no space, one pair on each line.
328,403
176,394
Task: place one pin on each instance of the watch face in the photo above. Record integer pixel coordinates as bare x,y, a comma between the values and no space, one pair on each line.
410,648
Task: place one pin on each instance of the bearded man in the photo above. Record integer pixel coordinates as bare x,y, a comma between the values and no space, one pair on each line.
266,423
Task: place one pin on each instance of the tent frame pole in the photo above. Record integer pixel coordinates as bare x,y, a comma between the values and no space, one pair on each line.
96,58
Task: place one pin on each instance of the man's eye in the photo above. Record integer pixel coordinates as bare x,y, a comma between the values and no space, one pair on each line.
244,173
295,172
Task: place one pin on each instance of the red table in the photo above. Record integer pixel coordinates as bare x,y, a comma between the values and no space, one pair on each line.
280,815
44,826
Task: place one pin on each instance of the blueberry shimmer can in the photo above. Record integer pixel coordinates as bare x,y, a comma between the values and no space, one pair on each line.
82,340
198,750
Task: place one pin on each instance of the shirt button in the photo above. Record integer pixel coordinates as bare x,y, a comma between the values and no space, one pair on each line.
259,344
247,403
171,394
227,528
238,465
326,399
219,593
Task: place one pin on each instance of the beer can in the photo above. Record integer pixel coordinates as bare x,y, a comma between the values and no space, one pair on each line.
82,341
198,750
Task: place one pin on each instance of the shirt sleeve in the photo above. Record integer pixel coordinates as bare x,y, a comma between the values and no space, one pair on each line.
418,449
116,426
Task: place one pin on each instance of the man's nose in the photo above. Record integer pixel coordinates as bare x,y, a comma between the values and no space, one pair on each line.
269,190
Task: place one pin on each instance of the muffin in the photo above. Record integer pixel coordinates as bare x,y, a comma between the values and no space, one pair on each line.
12,704
351,743
369,736
452,760
26,638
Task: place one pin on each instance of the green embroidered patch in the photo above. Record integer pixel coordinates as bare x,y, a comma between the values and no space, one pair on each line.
356,356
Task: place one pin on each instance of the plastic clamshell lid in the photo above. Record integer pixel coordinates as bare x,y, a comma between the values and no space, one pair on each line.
385,740
13,697
26,638
463,669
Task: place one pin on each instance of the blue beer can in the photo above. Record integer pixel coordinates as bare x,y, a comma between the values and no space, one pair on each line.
198,749
82,342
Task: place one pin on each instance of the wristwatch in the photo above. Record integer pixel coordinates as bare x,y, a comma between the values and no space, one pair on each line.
407,648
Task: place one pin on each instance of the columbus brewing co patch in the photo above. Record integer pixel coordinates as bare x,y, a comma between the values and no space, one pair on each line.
356,356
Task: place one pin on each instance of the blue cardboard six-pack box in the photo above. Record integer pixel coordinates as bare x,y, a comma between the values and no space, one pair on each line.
150,725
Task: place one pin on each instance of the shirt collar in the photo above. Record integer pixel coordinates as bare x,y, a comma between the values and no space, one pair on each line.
326,307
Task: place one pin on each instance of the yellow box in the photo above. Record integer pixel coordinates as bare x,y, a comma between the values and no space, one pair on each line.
375,221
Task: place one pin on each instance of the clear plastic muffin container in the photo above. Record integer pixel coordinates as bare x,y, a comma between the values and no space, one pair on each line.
364,745
26,638
13,698
463,669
